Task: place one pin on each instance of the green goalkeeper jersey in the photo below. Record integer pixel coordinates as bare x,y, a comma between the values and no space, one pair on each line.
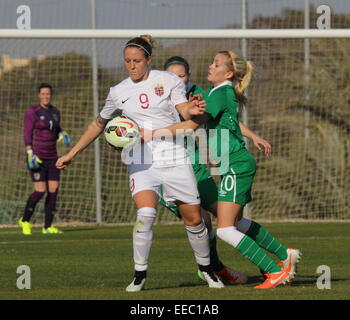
223,131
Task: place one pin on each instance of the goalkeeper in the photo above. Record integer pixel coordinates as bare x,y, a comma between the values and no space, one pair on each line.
42,131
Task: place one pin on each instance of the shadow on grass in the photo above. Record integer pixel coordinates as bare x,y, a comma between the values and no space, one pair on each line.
181,285
80,229
312,280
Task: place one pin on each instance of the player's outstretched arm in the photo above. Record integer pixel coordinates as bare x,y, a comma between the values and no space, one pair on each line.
184,127
193,108
94,129
259,142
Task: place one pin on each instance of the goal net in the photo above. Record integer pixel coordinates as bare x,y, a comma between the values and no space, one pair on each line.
302,110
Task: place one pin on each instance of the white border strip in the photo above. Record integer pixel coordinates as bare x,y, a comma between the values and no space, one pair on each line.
175,33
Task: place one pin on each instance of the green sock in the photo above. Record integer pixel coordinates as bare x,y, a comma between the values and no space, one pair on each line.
214,258
266,240
255,254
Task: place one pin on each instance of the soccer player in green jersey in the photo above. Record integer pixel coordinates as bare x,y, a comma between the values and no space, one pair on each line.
230,75
205,183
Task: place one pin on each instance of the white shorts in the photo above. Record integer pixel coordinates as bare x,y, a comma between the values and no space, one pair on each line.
178,183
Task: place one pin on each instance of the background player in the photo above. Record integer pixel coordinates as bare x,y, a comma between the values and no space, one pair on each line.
148,97
42,130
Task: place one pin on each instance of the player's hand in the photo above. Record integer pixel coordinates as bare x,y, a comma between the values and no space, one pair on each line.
262,144
197,108
33,160
195,97
64,161
65,138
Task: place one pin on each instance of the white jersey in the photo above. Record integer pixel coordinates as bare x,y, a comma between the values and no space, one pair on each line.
151,104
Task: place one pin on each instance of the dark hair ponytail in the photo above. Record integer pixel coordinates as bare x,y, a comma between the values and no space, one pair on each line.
177,60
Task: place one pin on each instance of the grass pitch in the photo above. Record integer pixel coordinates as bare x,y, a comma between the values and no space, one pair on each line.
96,263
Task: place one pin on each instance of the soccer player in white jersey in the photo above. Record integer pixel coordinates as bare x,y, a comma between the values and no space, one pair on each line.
148,97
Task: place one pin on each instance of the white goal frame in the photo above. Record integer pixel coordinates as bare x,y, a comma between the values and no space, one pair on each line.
94,34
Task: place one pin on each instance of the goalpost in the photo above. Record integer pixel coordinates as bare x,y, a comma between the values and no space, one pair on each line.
305,178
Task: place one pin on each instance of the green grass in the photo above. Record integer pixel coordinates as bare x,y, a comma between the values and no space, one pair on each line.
91,262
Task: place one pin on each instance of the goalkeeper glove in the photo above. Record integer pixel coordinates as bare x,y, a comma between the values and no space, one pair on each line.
33,160
64,137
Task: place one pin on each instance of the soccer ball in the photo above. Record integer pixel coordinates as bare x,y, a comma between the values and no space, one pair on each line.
121,132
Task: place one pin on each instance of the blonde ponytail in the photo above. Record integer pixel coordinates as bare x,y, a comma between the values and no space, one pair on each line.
243,83
243,72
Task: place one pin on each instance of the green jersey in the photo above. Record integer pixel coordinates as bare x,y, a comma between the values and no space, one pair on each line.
190,144
223,131
206,185
195,90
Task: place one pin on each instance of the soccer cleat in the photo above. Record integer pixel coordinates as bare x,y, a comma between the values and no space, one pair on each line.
231,276
138,283
264,274
291,263
51,230
212,280
26,227
200,276
274,279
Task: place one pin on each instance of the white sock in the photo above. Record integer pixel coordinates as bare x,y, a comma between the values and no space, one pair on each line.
142,237
199,240
230,235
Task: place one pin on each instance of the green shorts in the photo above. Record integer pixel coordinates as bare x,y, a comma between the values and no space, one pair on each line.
236,184
207,189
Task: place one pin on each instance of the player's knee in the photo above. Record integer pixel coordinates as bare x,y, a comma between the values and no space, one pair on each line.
192,220
191,216
40,188
53,190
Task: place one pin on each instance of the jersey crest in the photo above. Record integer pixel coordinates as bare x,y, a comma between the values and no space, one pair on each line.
159,89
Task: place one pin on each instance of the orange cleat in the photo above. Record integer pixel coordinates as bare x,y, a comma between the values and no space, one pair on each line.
274,279
291,263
